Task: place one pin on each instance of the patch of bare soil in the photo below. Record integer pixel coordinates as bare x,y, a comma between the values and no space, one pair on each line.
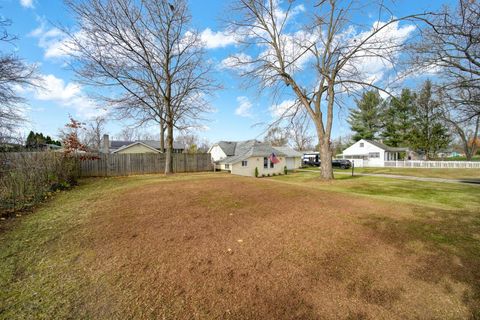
240,248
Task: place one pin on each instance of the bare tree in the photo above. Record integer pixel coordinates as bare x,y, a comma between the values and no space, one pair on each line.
147,51
277,136
300,137
467,130
450,46
14,72
330,46
190,141
94,132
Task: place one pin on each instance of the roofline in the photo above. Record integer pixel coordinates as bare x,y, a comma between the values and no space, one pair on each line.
134,143
250,156
214,145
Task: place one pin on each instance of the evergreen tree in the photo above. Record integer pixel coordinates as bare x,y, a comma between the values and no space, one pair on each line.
429,134
398,119
36,140
30,143
365,120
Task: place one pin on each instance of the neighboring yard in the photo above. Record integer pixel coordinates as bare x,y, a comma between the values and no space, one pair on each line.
217,246
417,172
426,172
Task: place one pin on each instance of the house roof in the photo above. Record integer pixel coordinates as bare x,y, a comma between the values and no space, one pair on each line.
289,152
116,144
133,144
241,150
385,147
228,147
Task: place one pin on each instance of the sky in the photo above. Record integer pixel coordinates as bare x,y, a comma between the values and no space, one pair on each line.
240,113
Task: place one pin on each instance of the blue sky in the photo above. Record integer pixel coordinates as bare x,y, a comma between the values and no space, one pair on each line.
237,108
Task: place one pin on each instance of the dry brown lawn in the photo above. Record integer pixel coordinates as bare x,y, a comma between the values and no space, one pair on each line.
226,247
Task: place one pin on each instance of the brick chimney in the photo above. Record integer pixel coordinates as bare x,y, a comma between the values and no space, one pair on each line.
105,148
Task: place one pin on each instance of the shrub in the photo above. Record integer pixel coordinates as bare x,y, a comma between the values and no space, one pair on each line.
27,178
263,174
285,169
274,174
256,172
268,175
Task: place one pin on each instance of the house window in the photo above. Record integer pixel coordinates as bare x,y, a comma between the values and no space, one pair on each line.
244,163
361,144
227,166
374,155
271,164
265,163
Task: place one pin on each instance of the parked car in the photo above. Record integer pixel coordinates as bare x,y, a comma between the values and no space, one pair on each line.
340,163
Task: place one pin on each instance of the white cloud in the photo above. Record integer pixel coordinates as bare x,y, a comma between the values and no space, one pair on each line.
26,3
379,54
283,109
68,95
53,41
219,39
56,89
244,106
240,61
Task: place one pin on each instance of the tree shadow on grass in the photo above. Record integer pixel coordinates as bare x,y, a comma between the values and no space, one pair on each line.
452,239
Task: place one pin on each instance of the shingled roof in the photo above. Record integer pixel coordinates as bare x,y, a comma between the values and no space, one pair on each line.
237,151
117,144
385,147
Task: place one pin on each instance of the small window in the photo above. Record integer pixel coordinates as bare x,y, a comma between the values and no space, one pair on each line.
374,155
244,163
227,166
265,163
361,144
271,164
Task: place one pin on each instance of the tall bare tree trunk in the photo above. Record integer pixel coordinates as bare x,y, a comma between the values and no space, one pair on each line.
326,169
169,153
162,135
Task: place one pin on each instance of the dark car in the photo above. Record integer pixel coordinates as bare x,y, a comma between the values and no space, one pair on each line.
342,164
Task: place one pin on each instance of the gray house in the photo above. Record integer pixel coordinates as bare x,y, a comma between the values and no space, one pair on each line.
243,157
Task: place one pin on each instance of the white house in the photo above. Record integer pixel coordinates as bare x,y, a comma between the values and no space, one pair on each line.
367,153
242,157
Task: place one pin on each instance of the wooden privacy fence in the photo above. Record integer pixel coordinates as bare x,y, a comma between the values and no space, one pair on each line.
433,164
104,165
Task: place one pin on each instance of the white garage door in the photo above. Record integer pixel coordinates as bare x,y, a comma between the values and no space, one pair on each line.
290,163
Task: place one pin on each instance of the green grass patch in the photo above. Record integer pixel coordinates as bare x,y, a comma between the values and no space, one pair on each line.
425,172
438,195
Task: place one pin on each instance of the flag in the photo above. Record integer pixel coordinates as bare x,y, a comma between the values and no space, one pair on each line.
273,158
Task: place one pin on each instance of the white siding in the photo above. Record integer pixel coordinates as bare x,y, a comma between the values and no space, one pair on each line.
366,150
217,153
293,163
257,162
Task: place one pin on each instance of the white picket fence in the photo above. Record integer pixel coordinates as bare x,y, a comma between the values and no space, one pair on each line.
433,164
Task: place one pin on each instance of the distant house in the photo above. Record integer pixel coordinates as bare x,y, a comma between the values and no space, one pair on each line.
372,153
137,146
242,157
